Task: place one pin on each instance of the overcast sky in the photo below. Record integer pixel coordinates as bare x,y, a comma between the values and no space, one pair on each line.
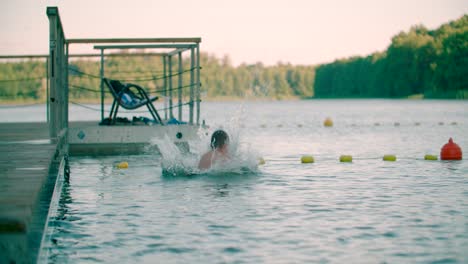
269,31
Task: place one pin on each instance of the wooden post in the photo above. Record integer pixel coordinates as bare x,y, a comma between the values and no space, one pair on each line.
47,89
165,86
171,115
102,85
192,80
53,28
180,86
66,90
58,80
197,85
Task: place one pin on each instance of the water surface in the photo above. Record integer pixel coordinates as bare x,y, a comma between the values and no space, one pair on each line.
367,211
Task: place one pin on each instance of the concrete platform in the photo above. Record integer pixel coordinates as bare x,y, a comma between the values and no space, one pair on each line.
28,167
89,138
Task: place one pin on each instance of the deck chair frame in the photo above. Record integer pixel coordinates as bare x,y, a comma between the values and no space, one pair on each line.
138,99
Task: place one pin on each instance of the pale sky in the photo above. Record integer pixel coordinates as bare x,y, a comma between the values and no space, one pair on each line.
295,31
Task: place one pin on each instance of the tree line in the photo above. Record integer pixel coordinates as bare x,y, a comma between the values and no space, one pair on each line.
422,62
219,79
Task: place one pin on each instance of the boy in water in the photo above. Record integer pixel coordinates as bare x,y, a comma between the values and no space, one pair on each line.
218,152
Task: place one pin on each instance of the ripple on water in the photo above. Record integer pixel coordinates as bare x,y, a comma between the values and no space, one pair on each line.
390,234
155,237
109,215
452,212
178,250
133,215
444,261
220,226
342,240
232,250
144,252
133,207
364,227
364,235
155,245
92,259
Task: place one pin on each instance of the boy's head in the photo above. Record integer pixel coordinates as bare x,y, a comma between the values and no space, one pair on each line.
219,139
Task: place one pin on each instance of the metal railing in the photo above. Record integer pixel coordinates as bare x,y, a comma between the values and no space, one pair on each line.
176,48
160,77
172,51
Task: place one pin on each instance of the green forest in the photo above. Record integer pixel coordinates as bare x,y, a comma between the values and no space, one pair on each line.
419,63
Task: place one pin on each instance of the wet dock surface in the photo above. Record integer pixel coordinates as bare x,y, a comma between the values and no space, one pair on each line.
26,166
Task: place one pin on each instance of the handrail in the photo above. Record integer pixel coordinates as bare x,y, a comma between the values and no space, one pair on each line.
84,55
148,46
132,40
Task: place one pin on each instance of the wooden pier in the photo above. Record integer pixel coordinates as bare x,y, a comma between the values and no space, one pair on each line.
29,164
34,155
29,167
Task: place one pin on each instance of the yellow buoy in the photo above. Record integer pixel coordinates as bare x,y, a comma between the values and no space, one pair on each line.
430,157
346,158
389,157
261,161
328,122
307,159
122,165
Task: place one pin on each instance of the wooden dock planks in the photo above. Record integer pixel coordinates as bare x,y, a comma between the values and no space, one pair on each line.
26,160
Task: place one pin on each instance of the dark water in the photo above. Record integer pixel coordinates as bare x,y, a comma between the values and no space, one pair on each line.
367,211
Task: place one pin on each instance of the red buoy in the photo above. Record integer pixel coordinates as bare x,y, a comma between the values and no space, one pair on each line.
451,151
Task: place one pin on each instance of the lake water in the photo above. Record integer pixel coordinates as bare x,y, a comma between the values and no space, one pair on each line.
367,211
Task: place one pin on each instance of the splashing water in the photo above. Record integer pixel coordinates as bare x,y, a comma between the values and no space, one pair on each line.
242,158
175,162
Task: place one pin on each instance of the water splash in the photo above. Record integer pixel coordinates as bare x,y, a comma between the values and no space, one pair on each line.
242,157
174,161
